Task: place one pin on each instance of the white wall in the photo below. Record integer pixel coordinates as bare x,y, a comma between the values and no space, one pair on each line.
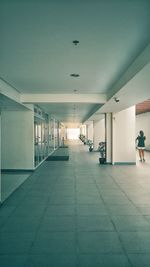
124,136
83,129
99,132
17,139
143,123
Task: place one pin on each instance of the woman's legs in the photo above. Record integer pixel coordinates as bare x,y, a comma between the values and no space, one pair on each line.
142,152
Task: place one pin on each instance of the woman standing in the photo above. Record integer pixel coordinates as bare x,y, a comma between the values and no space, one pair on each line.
141,145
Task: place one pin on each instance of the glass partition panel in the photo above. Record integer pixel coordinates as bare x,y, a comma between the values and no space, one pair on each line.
51,135
37,141
56,134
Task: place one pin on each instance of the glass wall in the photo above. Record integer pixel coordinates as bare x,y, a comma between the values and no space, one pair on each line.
46,135
56,133
51,135
41,137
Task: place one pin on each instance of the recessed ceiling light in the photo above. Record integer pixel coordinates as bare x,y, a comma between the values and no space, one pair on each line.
75,42
75,75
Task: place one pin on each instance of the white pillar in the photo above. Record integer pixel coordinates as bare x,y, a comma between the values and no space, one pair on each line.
90,131
86,135
98,132
83,129
108,136
123,138
54,133
66,133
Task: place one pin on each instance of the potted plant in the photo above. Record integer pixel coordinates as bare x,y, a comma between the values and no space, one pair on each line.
90,144
102,150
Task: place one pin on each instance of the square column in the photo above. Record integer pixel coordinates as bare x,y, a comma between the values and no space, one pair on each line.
123,137
90,131
98,132
108,137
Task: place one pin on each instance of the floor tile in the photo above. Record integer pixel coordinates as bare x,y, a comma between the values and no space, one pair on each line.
136,242
92,209
58,223
89,200
20,224
60,210
94,223
116,200
35,200
29,211
54,260
122,210
15,243
65,200
6,211
144,210
99,242
103,261
62,193
131,223
140,260
57,242
13,260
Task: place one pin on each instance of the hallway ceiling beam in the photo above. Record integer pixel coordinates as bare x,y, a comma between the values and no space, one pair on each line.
63,98
10,97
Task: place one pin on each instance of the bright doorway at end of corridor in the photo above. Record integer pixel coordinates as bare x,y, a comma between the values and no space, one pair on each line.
73,133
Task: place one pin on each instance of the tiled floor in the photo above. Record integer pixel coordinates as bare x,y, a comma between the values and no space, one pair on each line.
78,213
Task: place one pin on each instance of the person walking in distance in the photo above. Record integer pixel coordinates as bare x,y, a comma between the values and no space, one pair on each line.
141,145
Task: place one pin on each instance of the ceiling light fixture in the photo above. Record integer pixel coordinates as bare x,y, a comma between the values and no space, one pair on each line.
116,99
75,42
75,75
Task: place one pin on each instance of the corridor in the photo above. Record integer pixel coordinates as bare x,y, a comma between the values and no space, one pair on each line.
78,213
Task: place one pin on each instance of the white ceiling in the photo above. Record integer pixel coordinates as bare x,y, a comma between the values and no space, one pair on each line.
38,56
71,112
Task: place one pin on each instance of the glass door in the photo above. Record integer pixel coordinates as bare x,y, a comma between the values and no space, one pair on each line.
41,139
37,136
51,135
